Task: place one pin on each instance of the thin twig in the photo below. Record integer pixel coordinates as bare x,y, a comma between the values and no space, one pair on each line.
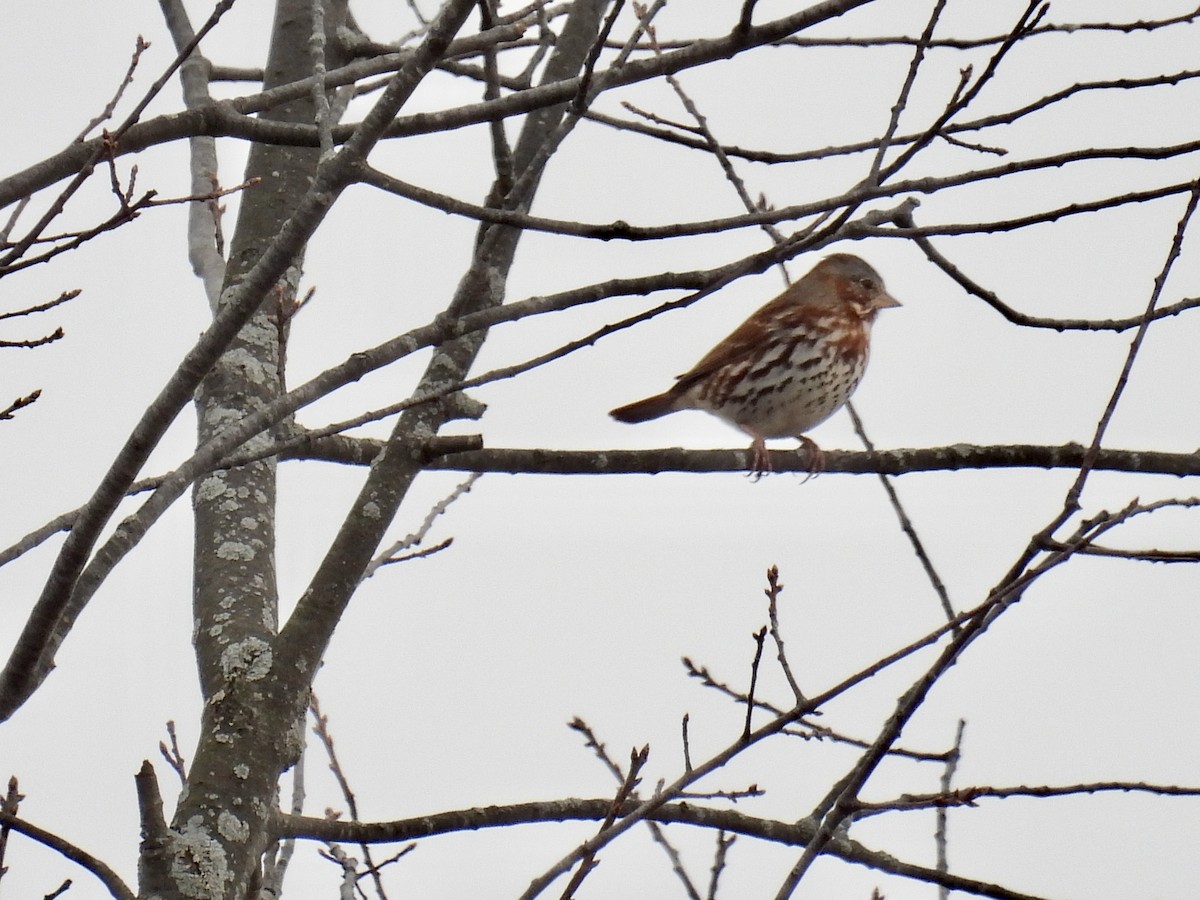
395,553
103,147
759,639
595,745
583,94
1072,499
19,404
321,730
587,860
901,103
172,754
720,856
140,47
686,742
501,150
906,523
773,590
62,298
941,836
713,145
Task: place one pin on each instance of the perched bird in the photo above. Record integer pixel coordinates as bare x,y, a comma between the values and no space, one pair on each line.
788,367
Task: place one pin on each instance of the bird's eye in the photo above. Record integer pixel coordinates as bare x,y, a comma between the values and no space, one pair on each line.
867,283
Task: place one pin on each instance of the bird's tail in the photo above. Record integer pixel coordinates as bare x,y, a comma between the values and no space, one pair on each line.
645,410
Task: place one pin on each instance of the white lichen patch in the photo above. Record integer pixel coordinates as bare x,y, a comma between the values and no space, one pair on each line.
249,660
217,417
199,865
371,510
232,828
235,550
260,333
243,359
242,771
211,488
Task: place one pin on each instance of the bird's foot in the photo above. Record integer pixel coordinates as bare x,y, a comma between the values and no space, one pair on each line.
760,460
815,457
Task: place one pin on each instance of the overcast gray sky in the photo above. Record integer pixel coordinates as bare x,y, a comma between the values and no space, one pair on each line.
451,678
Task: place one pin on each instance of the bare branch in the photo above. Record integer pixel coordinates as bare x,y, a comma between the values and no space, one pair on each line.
906,523
19,404
321,730
956,457
941,833
56,335
970,796
395,553
172,754
729,821
875,175
773,590
107,877
1072,499
140,47
759,638
62,298
587,860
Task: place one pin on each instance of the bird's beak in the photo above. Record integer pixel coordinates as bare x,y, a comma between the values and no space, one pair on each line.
882,300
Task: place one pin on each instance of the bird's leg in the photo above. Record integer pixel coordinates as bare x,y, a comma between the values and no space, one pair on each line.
760,463
816,458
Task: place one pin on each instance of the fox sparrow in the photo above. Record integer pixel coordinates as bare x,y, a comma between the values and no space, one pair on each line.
788,367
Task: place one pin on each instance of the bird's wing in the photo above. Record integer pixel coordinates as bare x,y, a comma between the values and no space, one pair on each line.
749,338
745,338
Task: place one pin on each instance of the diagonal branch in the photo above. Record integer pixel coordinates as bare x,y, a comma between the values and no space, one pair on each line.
303,639
110,879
